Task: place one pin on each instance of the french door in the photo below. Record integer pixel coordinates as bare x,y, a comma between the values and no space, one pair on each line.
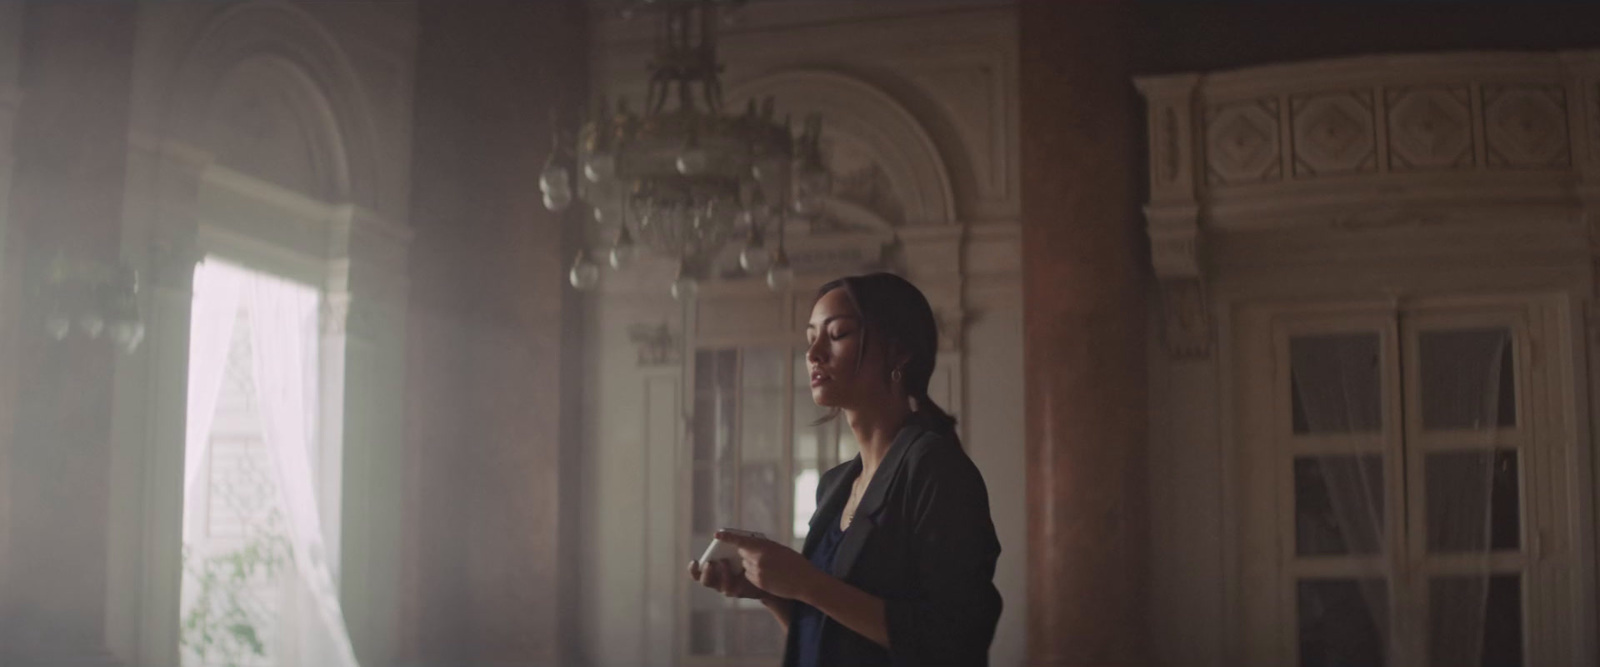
1409,489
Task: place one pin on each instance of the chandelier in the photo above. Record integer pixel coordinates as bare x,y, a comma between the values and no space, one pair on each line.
685,179
93,298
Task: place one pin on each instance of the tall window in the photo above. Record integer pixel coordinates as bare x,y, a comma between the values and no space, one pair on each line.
1410,472
257,586
757,457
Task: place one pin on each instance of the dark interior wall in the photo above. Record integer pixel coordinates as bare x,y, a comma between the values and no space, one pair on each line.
1180,36
492,339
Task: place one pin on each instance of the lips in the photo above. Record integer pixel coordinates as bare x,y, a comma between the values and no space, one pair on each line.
818,377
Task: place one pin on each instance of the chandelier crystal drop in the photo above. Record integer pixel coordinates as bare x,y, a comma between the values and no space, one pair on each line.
683,178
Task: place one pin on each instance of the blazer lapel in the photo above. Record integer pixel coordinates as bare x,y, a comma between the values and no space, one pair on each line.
872,501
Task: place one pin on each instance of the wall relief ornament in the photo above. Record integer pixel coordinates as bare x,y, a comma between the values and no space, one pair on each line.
1526,126
1333,133
1242,143
1430,128
1187,319
657,344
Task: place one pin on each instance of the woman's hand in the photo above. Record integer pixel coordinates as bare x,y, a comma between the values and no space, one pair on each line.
719,576
773,567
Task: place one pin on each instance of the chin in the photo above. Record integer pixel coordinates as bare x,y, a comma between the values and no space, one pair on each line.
823,398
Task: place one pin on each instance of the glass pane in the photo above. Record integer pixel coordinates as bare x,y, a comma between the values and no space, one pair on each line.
1468,381
716,380
1343,622
1475,621
761,425
708,633
805,504
1473,501
1335,383
1338,503
759,633
713,499
759,505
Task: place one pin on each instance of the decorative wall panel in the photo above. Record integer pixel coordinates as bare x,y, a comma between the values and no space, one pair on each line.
1333,133
1430,128
1526,126
1242,143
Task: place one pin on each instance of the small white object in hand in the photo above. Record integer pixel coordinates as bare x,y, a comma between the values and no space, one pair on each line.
726,551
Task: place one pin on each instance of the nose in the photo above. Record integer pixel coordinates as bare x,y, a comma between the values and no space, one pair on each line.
814,351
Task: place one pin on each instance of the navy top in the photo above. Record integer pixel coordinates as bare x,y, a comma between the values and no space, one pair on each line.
806,622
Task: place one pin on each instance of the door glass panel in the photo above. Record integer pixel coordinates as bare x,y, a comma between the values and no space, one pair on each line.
1475,621
1338,505
707,632
1473,501
759,634
1467,379
1343,622
1335,383
761,388
713,498
759,498
716,380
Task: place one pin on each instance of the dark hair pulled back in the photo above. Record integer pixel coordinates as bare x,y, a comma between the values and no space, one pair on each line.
896,312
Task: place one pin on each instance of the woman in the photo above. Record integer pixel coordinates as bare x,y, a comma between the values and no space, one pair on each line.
898,567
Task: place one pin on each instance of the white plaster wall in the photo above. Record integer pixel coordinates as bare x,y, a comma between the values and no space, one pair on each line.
1186,549
993,423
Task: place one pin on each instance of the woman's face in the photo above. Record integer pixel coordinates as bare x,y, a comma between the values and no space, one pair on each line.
833,339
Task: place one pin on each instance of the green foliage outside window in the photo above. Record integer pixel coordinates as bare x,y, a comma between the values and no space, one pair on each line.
224,624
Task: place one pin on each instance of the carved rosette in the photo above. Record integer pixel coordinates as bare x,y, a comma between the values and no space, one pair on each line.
1525,126
1242,143
1430,128
1333,133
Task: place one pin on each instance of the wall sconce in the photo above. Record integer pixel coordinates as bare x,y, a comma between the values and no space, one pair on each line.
94,299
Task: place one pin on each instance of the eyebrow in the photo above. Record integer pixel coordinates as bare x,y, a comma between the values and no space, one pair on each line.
826,321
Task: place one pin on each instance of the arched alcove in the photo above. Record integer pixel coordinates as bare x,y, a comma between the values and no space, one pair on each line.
286,71
883,160
267,119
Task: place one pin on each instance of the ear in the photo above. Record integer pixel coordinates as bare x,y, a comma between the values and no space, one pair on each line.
899,356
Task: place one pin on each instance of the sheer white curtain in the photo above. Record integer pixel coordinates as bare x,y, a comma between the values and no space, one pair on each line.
1463,378
283,339
284,371
216,306
1339,384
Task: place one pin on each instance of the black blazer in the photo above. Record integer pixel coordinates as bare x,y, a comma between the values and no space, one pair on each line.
923,541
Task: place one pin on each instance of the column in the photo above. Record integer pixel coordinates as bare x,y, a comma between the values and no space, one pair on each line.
1084,335
492,352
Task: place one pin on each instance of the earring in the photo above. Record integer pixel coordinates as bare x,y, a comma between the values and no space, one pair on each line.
896,376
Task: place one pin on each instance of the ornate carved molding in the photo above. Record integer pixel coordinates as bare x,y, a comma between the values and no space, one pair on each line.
1421,129
1176,252
1333,133
1187,316
658,344
870,129
1242,142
